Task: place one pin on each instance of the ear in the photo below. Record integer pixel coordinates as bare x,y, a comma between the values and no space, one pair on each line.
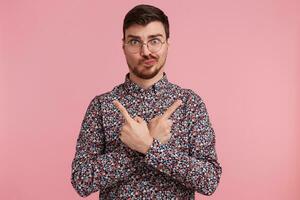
123,43
168,41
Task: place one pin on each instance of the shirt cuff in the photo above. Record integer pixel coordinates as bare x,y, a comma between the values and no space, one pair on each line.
156,156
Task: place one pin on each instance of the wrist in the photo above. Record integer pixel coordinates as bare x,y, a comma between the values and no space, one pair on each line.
148,144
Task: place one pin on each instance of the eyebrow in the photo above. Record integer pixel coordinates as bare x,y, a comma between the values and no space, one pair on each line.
150,36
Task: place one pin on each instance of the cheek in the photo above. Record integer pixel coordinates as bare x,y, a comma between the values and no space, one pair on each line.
131,59
163,55
164,52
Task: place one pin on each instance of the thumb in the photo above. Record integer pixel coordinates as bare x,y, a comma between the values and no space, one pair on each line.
139,119
136,118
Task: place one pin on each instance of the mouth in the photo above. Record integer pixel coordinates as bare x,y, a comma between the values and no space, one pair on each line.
149,62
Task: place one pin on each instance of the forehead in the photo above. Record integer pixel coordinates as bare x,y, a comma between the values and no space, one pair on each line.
143,32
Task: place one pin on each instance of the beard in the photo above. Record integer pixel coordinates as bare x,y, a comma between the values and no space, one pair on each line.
146,73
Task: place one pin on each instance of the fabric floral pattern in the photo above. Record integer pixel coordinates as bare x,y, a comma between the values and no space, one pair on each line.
187,164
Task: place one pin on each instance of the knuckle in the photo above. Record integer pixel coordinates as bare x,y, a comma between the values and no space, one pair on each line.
154,119
126,129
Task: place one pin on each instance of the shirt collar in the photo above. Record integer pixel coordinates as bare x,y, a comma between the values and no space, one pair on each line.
157,88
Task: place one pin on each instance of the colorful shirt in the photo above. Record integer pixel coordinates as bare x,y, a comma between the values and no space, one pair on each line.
174,170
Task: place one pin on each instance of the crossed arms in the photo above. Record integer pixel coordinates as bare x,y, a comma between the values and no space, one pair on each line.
92,169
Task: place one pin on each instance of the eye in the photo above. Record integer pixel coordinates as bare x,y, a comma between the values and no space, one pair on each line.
155,41
134,42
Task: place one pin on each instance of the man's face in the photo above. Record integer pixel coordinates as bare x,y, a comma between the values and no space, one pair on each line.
146,64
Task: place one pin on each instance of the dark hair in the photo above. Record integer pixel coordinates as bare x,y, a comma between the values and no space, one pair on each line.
144,14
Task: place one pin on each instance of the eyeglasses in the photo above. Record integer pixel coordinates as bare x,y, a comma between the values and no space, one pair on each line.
135,45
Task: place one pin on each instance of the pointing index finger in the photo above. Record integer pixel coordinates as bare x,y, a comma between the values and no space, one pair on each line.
122,109
172,109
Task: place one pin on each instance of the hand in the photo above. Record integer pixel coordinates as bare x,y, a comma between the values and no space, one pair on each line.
134,132
160,126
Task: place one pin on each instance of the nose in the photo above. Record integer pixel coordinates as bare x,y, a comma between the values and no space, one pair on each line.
144,50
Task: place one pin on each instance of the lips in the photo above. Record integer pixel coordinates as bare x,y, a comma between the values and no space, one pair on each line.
149,62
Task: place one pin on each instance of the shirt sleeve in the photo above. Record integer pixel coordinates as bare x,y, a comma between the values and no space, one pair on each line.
199,169
92,170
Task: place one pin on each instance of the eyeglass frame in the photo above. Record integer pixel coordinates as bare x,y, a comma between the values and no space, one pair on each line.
144,43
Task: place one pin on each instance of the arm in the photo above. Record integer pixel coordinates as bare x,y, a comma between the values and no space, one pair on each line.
199,169
92,170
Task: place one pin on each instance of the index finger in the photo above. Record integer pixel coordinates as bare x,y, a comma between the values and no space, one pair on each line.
122,110
172,109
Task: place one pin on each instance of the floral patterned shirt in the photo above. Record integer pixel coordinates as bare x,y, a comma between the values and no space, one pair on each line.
174,170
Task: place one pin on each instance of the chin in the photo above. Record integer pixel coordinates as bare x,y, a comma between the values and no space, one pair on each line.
147,75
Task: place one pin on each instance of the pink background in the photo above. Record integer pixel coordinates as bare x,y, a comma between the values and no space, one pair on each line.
241,56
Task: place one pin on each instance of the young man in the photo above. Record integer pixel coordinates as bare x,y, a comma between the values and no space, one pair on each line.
147,138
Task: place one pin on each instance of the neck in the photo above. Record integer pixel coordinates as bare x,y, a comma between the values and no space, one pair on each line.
145,83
